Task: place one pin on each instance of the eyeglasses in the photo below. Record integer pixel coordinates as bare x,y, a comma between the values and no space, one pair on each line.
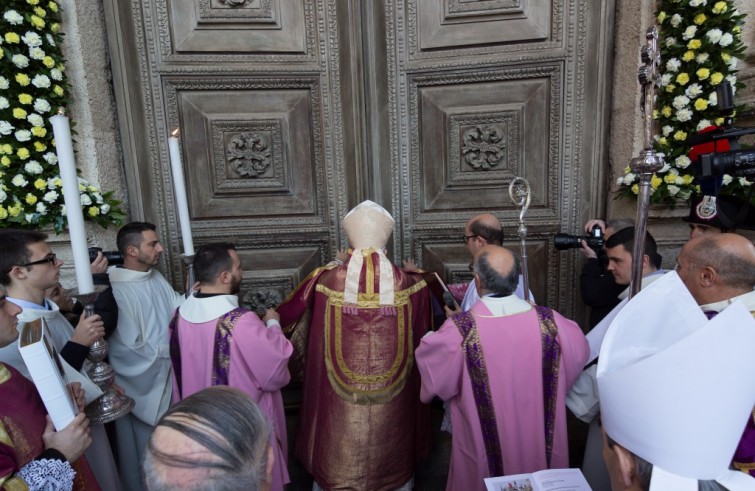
465,238
47,259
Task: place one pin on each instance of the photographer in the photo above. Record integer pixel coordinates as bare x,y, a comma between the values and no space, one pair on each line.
597,286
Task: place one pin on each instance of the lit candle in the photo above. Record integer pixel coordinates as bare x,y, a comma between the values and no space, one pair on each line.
67,164
180,191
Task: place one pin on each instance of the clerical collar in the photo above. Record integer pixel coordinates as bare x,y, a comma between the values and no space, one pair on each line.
748,299
25,304
508,305
207,295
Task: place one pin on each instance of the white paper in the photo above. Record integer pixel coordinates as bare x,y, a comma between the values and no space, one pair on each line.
547,480
180,191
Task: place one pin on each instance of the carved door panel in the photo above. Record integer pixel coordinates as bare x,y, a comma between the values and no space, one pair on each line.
293,111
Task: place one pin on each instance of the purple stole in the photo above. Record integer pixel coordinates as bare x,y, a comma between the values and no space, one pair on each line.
478,374
221,357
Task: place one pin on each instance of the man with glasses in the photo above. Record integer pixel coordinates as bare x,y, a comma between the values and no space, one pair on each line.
28,267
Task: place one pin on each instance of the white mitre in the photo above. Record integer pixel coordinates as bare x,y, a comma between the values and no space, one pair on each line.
677,389
368,226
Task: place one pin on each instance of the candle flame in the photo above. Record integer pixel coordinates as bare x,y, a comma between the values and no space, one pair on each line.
175,133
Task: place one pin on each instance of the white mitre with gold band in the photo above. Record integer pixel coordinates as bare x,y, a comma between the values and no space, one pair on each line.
368,227
676,389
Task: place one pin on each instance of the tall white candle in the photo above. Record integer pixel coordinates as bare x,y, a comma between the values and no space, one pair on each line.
180,191
67,164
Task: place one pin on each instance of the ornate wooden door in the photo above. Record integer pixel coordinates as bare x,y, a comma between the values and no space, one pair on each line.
293,111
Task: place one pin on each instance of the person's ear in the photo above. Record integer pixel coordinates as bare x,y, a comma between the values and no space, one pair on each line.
18,272
132,250
626,464
477,282
708,276
224,277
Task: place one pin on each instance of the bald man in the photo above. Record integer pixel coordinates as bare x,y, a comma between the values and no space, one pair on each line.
480,231
504,366
718,270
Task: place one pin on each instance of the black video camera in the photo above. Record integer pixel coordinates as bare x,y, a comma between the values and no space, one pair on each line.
114,258
594,241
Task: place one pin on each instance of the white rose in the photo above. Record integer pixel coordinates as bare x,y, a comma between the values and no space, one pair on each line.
50,158
702,58
680,102
41,82
693,90
41,105
56,74
667,130
4,84
744,182
672,190
629,178
41,208
20,61
697,3
726,180
2,196
704,123
19,180
726,40
4,103
679,180
619,182
676,19
50,196
733,62
51,183
689,33
13,17
683,115
32,39
23,135
673,65
35,119
28,217
36,53
713,99
33,167
6,128
85,200
104,209
714,35
682,161
665,79
97,198
63,210
670,42
666,167
50,39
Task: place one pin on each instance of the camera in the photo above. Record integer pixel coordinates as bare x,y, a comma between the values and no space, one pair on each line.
740,163
594,241
114,258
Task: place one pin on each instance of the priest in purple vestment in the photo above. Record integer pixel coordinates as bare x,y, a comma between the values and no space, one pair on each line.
361,424
504,367
215,342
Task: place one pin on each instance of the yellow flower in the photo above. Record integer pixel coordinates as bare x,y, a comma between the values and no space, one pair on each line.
93,211
726,57
703,73
25,98
668,179
57,182
55,27
680,135
699,19
12,37
14,210
661,17
635,188
32,2
23,153
716,78
5,161
719,121
655,181
39,146
3,213
37,21
736,29
627,170
92,189
19,113
670,88
688,178
701,104
39,131
682,79
666,111
720,8
58,90
655,113
694,44
22,79
688,55
7,149
52,6
40,183
48,62
2,53
30,198
662,140
40,12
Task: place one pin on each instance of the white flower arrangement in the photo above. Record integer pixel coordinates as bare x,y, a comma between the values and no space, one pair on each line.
32,86
700,42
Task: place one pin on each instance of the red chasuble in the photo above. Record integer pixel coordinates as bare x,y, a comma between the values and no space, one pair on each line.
362,425
22,422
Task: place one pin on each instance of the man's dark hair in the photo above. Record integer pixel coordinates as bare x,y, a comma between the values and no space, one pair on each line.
212,259
230,425
14,249
492,280
494,236
131,235
625,237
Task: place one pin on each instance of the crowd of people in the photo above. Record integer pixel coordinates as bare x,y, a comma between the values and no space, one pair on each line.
664,379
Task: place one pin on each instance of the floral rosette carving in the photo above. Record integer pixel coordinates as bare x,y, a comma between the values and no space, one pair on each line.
33,86
700,44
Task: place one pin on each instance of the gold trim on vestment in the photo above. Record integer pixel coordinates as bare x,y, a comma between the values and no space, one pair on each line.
4,436
371,300
13,484
369,278
4,373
